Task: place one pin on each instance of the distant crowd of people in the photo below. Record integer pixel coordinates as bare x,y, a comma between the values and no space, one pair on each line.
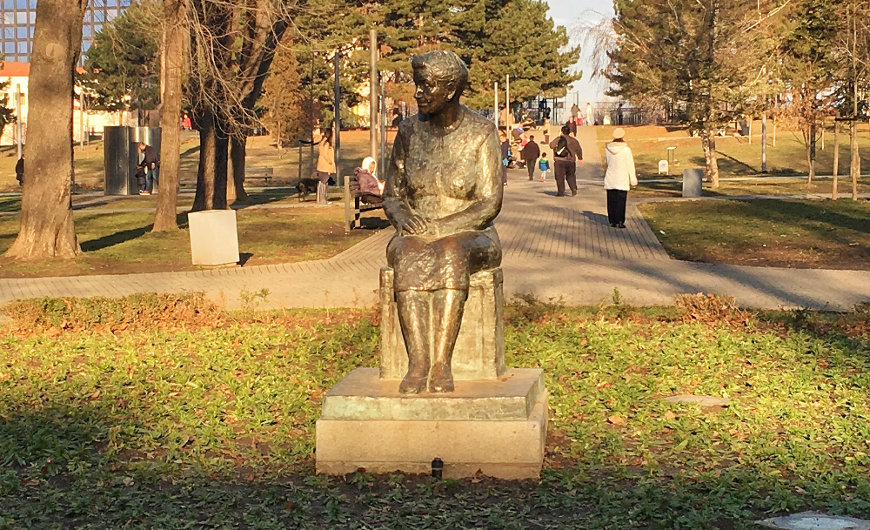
519,151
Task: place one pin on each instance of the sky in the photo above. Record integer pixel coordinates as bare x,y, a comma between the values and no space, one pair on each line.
573,14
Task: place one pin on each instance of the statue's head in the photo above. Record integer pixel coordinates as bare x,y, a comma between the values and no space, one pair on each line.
440,76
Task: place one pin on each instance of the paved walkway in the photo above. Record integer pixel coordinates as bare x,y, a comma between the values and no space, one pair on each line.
554,247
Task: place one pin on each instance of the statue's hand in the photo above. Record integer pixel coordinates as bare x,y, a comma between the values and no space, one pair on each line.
414,225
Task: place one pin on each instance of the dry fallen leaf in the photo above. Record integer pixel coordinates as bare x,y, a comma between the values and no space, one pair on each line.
616,419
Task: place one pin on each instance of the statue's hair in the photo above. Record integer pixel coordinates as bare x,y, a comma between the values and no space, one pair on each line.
444,65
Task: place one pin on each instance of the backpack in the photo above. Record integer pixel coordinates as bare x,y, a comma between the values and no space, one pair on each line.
561,147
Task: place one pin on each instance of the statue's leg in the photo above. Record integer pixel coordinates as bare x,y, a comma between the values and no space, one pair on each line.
414,318
447,308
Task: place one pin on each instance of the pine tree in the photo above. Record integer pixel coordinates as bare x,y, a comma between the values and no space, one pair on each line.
809,65
7,115
282,101
123,65
706,58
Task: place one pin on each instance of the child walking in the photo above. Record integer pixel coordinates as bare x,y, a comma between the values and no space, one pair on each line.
544,166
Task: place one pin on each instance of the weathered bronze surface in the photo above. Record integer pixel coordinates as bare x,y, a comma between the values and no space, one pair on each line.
443,192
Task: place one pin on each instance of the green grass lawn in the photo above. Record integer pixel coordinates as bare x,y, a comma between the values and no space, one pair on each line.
761,186
122,242
168,422
737,157
261,152
770,232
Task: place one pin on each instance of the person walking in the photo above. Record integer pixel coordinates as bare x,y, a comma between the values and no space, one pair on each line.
325,165
544,166
619,177
566,154
531,153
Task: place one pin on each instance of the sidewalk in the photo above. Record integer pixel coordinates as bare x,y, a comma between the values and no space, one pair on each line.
554,247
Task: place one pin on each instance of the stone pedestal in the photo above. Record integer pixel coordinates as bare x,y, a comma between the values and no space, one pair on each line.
496,427
495,422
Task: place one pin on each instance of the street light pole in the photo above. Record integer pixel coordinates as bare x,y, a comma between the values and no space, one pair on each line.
19,127
373,93
336,121
495,105
507,104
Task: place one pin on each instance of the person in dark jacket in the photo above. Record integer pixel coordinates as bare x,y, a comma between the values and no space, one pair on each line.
566,154
505,146
151,166
531,153
19,171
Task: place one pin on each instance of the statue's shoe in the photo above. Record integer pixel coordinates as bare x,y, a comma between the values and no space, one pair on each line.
412,384
440,378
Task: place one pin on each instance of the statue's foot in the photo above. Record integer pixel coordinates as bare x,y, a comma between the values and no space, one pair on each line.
412,384
440,378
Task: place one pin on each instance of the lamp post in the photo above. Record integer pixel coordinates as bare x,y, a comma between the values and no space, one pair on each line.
336,121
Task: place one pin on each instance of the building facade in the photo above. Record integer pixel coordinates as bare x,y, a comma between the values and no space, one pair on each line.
19,18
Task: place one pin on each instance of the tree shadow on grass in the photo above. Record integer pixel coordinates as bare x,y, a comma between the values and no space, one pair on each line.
127,235
10,204
734,166
115,238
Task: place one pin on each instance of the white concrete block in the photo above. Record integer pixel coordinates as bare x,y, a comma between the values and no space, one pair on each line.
214,238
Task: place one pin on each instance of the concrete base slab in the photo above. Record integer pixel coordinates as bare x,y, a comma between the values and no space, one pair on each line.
363,395
371,429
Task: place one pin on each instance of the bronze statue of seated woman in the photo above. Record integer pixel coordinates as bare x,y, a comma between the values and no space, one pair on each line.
443,191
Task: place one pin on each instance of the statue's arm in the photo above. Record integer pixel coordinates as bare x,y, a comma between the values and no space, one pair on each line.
489,192
395,204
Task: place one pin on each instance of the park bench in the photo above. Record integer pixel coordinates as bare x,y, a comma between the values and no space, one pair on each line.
261,174
356,202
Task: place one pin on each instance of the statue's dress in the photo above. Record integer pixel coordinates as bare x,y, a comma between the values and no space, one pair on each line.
451,177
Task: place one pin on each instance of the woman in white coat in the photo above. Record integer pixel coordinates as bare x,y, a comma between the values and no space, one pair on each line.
619,177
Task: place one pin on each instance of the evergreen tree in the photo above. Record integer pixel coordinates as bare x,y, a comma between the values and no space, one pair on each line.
123,65
808,67
495,37
283,100
521,41
7,115
707,58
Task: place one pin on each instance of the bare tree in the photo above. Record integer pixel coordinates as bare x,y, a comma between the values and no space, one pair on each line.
171,75
46,208
232,46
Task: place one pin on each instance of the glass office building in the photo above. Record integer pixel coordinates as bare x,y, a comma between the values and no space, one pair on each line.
19,18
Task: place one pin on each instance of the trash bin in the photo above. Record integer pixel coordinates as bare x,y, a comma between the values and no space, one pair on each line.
120,156
692,179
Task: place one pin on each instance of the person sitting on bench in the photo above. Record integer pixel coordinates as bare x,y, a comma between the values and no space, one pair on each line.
369,184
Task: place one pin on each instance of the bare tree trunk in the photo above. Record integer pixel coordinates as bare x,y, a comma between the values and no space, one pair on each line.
855,165
708,142
175,12
46,208
811,154
204,196
836,170
236,187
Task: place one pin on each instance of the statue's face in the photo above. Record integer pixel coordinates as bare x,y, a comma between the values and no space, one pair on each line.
432,94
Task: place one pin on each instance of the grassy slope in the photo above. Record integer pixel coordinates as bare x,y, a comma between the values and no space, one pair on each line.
261,152
122,242
215,425
737,157
794,233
